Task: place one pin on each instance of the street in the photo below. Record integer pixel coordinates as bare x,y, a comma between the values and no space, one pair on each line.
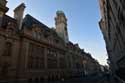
87,79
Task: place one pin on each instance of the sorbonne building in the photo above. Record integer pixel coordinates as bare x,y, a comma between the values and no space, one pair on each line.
30,51
112,25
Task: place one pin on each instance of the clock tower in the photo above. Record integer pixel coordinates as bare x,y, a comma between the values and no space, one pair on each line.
3,10
61,26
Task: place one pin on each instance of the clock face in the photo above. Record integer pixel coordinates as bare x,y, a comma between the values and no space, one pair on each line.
1,13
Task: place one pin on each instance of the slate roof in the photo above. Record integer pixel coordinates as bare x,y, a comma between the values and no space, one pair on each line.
28,21
6,20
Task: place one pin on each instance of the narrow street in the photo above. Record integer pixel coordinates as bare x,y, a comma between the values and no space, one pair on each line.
88,79
104,78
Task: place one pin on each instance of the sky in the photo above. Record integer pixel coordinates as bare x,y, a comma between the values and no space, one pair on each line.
83,17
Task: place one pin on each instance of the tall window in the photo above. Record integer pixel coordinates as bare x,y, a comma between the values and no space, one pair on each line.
4,70
7,49
36,57
52,58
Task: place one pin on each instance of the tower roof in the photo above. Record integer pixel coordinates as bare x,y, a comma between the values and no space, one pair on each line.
28,21
60,12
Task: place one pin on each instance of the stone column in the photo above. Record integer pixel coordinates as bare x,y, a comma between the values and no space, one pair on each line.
1,18
58,60
45,58
45,65
71,61
58,65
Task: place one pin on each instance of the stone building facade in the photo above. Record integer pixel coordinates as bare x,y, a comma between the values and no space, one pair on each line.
30,51
112,25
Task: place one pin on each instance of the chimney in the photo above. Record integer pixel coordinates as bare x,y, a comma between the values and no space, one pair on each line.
18,14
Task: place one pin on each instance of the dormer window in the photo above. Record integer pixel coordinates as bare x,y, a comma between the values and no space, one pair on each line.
10,28
36,31
34,34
